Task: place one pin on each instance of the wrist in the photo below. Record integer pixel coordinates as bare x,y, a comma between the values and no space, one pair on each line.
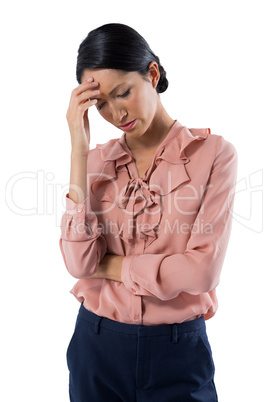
114,267
79,154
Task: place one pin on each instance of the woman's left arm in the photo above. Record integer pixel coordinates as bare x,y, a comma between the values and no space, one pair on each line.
198,269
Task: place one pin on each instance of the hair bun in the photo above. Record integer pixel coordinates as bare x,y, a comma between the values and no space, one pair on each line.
163,81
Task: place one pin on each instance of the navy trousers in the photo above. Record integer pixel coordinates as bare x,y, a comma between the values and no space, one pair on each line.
109,361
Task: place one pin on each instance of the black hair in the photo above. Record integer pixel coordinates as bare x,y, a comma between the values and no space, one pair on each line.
120,47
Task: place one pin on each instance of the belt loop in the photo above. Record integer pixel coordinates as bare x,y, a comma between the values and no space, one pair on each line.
174,333
97,325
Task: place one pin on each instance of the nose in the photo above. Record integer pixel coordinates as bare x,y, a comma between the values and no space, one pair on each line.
118,114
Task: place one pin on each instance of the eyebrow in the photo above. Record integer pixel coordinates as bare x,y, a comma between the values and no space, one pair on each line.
113,90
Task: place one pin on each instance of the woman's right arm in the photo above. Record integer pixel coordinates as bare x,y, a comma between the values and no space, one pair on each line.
77,118
81,243
78,191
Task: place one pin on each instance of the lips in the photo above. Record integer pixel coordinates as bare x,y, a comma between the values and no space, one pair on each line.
128,125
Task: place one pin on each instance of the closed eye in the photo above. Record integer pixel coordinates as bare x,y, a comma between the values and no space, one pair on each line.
124,95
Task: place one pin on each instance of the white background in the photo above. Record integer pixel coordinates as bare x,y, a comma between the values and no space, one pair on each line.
215,55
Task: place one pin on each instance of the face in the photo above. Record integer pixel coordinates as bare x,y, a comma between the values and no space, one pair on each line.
126,97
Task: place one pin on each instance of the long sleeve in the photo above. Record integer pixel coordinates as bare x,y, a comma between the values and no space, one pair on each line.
81,243
198,269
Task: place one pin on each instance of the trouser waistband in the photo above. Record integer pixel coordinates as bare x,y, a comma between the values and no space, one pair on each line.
174,330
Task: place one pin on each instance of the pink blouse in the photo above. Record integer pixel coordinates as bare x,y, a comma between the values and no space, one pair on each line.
172,226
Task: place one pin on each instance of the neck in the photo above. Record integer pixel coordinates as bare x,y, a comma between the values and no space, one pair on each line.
156,133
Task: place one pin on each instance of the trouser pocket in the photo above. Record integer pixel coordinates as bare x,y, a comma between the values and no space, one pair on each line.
72,348
204,342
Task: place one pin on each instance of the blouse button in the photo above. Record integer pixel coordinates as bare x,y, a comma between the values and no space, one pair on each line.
136,317
79,210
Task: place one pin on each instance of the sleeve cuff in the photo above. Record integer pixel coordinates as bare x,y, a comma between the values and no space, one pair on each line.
126,274
73,207
76,224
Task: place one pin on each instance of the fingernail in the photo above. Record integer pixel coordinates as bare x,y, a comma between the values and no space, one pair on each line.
90,79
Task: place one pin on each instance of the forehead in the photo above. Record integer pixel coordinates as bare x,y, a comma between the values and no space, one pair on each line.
109,77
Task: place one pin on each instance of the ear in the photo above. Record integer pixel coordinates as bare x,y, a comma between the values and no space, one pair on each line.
154,73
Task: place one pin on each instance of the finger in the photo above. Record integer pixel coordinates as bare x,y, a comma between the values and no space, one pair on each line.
88,95
84,106
83,87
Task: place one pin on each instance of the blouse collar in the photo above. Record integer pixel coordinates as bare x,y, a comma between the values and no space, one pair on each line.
117,149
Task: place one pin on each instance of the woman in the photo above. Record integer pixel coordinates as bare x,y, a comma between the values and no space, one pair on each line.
145,231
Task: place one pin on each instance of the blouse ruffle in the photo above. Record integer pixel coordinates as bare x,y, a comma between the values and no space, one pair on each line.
139,195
